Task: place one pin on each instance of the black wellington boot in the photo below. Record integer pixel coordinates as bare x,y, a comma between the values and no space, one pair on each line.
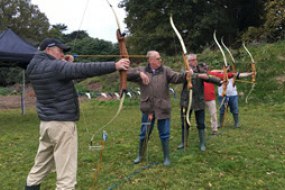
165,148
34,187
202,144
221,121
141,152
184,128
236,120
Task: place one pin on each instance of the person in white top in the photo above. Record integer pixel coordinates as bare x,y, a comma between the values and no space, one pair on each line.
230,100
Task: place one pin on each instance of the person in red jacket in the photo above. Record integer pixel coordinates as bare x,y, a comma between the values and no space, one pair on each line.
210,98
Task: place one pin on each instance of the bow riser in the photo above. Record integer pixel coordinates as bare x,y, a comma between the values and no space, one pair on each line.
124,54
187,68
225,79
253,76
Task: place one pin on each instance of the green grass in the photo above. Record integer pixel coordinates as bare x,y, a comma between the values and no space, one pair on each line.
4,91
251,157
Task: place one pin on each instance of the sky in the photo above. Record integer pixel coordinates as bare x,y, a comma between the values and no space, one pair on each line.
98,20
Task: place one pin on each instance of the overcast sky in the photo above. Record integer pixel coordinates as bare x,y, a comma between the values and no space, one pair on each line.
98,20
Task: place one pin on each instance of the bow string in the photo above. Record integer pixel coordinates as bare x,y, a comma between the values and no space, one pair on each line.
253,70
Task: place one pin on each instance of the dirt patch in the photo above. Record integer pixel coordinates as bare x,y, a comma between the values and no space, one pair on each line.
94,86
280,79
16,101
13,102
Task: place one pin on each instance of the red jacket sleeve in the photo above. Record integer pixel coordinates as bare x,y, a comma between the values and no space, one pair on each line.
220,74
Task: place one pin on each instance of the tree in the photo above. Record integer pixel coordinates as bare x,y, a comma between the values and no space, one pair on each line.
92,46
24,18
273,28
57,31
274,25
148,22
76,35
9,76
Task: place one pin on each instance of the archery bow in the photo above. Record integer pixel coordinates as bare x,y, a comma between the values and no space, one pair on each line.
123,52
225,71
123,74
253,70
123,86
232,58
186,65
188,76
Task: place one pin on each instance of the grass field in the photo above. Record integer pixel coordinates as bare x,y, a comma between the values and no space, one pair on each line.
251,157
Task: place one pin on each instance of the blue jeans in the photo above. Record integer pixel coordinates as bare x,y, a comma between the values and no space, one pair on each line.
231,101
163,126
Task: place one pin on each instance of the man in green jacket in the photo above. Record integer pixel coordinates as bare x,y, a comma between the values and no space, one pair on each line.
154,80
198,104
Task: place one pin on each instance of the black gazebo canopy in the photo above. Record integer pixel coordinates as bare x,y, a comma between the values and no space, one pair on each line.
14,51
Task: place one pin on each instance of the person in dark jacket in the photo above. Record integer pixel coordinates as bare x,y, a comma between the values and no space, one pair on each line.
154,80
198,104
51,74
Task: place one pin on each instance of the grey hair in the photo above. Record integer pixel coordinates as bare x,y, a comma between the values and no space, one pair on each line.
150,53
191,55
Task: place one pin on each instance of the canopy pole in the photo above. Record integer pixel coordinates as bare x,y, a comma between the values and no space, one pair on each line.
23,109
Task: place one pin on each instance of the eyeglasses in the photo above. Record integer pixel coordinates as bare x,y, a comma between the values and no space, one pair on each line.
192,59
158,59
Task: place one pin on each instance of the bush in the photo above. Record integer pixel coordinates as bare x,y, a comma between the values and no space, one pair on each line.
5,91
